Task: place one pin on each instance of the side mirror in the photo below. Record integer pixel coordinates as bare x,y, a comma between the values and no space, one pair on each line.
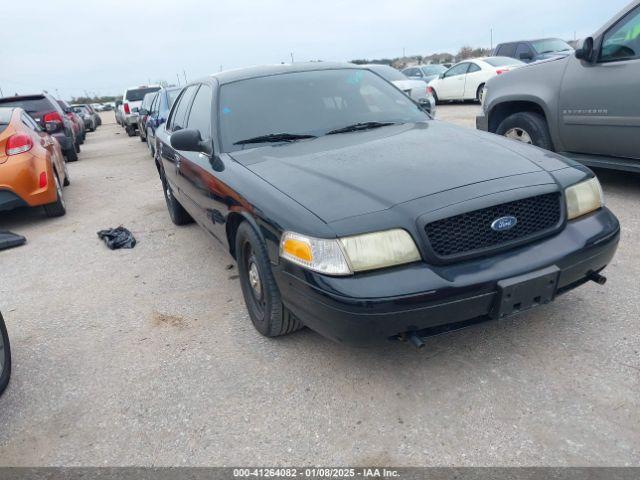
189,140
441,76
144,111
585,52
526,56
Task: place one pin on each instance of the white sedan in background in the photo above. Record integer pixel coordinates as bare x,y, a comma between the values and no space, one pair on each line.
416,89
466,80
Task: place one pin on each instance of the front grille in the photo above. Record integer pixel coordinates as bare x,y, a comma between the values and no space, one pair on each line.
471,232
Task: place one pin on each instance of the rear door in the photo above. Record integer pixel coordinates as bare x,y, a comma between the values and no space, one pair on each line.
474,77
599,102
171,158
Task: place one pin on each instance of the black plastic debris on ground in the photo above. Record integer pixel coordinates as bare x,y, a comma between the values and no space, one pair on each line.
10,240
116,238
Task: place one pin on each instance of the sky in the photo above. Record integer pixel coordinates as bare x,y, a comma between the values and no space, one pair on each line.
99,47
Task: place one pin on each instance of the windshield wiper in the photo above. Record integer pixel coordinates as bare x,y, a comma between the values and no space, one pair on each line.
275,137
356,127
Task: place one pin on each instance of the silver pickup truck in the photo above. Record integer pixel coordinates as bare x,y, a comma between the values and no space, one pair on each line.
585,106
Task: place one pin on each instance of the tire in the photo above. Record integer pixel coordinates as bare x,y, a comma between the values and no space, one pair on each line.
179,216
435,96
528,127
77,147
57,208
130,131
143,137
67,180
261,294
5,356
71,155
480,93
151,146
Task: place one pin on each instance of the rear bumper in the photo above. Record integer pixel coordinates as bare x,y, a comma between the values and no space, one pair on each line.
131,120
369,308
9,200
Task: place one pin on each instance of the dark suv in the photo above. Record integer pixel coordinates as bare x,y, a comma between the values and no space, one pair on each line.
533,50
45,110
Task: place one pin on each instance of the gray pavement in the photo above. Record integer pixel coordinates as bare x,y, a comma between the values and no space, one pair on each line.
148,357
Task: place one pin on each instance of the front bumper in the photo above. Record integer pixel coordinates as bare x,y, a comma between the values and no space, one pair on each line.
369,308
482,122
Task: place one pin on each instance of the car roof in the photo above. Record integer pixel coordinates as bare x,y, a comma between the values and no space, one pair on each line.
529,41
143,87
229,76
36,96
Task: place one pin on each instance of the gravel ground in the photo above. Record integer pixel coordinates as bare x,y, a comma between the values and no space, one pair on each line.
147,356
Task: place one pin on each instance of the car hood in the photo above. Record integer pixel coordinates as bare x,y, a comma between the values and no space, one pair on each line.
346,175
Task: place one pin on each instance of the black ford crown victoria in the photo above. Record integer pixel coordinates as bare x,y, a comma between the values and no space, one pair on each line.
351,211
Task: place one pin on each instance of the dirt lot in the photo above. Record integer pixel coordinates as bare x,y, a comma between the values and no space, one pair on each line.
148,357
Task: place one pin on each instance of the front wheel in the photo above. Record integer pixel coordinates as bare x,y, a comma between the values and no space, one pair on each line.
261,294
5,356
527,127
480,93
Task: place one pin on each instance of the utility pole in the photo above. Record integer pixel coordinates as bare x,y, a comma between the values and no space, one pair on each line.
404,52
492,39
1,92
178,77
185,76
292,57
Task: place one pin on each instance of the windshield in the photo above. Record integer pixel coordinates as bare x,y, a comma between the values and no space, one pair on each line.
502,61
138,94
550,45
309,103
390,74
434,69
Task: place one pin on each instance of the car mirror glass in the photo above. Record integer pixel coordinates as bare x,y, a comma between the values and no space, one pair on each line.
585,52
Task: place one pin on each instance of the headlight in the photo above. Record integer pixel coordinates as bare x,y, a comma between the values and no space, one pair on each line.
345,256
583,198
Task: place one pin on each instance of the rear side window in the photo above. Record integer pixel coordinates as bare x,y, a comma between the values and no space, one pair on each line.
473,68
30,122
179,117
136,95
30,105
507,50
200,115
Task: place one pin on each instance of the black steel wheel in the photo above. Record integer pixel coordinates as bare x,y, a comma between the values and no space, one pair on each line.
261,294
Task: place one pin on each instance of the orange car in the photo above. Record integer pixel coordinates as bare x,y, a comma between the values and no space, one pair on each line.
32,168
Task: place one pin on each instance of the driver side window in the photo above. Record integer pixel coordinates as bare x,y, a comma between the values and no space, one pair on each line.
457,70
622,41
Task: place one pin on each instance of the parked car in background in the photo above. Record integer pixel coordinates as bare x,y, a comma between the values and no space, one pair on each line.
44,109
131,101
5,356
466,80
86,115
352,212
425,73
119,114
533,50
143,114
96,121
98,107
585,106
77,122
32,167
159,113
416,89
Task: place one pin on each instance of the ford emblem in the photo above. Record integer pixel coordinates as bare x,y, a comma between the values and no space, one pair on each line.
504,223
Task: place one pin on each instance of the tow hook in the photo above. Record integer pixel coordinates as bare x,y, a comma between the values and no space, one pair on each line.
596,277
